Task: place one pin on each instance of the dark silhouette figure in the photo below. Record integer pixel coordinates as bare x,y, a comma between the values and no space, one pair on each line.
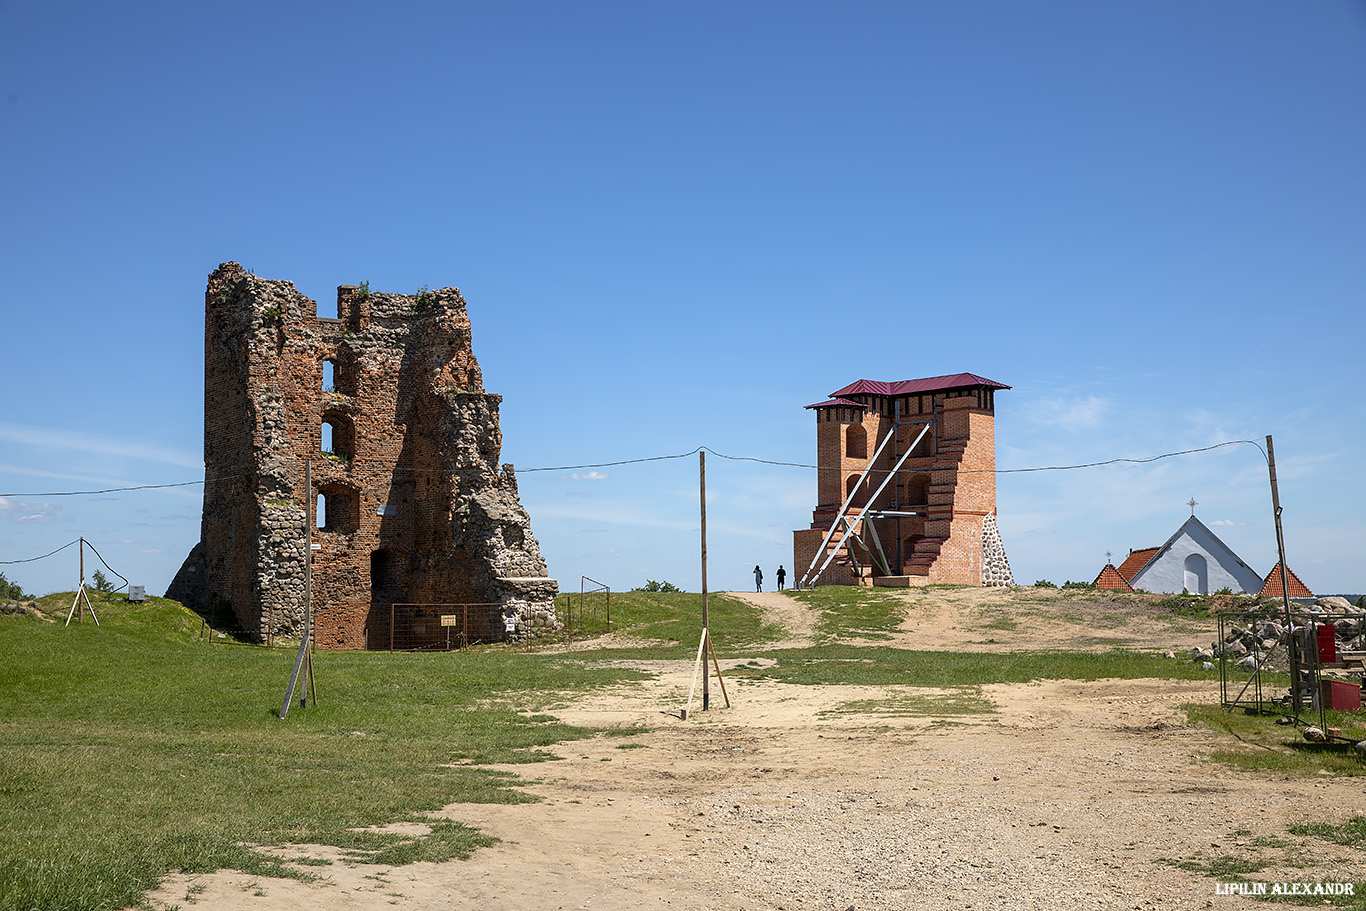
782,576
758,579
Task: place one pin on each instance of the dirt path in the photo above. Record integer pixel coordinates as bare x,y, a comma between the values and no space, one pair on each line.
1067,795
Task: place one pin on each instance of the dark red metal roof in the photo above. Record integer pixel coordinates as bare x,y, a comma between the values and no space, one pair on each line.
847,403
915,387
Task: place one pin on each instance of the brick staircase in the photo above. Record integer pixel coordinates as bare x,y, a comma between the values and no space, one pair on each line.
921,557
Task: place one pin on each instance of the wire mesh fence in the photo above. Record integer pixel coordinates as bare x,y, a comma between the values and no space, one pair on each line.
589,612
441,627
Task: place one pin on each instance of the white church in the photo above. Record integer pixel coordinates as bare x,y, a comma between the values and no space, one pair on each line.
1192,560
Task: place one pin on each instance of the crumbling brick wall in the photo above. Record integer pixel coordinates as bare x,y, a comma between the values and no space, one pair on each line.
413,505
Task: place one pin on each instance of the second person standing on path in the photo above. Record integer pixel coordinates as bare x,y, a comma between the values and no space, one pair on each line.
782,576
758,579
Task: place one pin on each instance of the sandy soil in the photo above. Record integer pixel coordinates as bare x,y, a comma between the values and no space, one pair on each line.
1068,795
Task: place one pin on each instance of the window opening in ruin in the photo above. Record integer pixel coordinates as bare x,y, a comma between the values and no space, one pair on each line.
337,438
320,512
386,582
329,375
855,442
338,509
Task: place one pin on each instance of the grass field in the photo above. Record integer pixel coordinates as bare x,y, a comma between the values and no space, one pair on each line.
141,746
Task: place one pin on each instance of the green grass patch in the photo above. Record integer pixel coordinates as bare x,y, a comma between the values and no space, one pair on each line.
1257,743
135,748
853,611
674,620
1351,833
1224,867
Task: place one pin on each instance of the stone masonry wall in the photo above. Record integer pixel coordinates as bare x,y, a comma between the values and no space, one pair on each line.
410,503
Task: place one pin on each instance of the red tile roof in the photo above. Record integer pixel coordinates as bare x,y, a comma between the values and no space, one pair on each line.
914,387
1136,560
1272,585
1110,578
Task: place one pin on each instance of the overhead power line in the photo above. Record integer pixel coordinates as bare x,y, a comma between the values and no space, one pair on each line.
683,455
43,557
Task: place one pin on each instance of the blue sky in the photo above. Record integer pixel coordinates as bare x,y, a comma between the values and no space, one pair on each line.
678,223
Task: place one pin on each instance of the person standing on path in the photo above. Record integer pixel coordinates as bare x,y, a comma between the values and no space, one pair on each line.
782,575
758,579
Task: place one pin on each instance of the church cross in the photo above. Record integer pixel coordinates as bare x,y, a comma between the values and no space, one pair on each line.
1192,504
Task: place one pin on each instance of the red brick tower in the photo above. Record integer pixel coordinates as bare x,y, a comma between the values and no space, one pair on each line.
913,512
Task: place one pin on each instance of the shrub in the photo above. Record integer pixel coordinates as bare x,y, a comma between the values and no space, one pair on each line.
652,586
1044,583
11,591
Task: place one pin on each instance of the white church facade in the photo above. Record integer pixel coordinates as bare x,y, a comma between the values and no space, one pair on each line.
1195,560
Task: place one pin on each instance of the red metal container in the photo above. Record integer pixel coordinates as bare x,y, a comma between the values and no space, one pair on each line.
1328,644
1340,696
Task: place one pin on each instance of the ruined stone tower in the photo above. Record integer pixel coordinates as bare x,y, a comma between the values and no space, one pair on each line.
388,403
917,507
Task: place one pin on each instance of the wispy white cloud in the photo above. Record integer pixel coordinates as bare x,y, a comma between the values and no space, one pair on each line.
587,476
23,511
1228,523
1070,414
80,441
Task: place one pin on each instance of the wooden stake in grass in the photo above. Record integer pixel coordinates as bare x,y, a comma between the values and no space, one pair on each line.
304,659
81,595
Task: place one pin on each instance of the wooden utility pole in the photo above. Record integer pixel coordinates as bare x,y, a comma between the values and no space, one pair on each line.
704,648
1292,648
702,481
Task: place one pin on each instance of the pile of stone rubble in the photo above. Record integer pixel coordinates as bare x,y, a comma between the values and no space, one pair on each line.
18,607
1260,638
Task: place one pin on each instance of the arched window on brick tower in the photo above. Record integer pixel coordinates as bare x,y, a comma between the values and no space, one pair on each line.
861,497
917,490
855,442
338,436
